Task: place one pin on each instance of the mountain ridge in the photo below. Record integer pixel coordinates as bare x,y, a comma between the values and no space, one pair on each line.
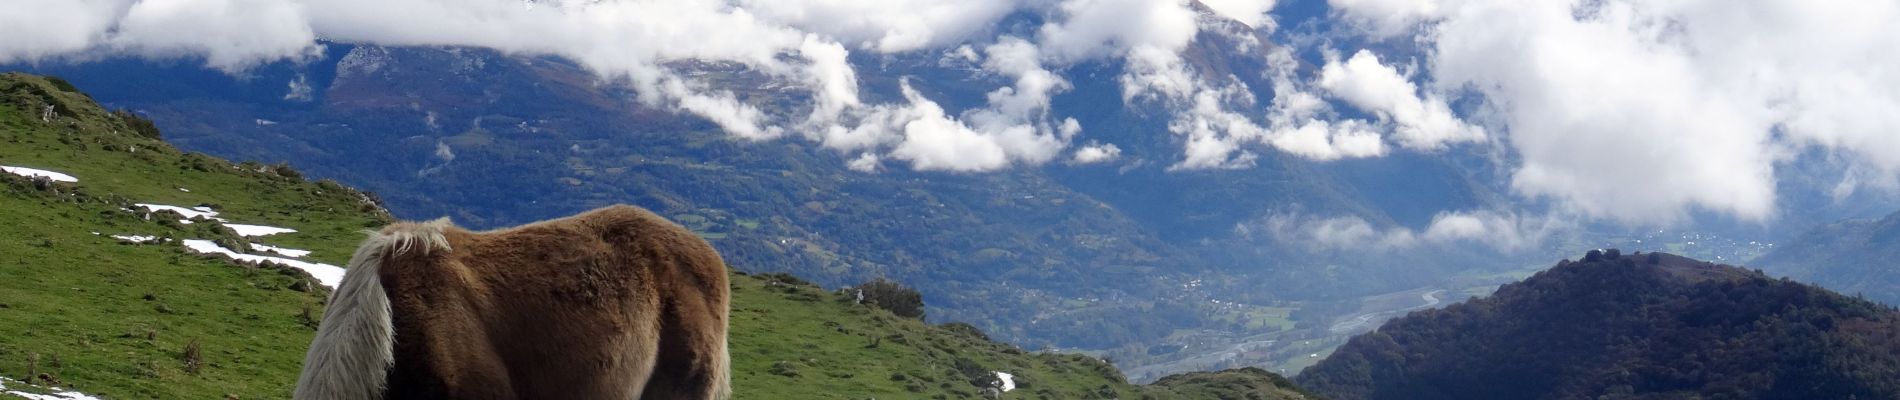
1628,326
1850,256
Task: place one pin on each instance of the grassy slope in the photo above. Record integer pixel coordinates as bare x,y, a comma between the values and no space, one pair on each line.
82,299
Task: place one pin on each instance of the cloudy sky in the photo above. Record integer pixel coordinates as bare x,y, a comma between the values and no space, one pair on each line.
1623,110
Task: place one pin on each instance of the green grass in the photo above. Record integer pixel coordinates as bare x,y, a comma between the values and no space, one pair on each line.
828,340
113,319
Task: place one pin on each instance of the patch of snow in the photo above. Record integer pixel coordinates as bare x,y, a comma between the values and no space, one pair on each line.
326,274
208,213
1009,380
257,230
136,238
57,393
189,213
31,172
292,253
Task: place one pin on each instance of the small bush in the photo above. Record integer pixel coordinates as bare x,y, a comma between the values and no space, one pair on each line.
32,366
283,169
138,124
308,317
193,356
895,297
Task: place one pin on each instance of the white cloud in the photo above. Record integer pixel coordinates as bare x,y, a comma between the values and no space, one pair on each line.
804,42
1640,111
31,30
1385,18
1498,230
1422,123
835,82
1098,28
1250,12
886,25
231,35
934,141
867,162
1322,140
1097,153
1342,233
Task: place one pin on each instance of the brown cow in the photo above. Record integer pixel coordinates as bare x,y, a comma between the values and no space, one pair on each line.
616,303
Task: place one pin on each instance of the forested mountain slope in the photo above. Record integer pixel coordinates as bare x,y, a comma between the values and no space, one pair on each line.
1860,257
1632,326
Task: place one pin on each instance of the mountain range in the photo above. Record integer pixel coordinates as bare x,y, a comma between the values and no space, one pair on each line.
1851,256
493,140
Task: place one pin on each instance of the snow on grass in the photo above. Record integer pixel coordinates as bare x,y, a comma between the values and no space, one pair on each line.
136,238
257,230
326,274
292,253
189,213
208,213
1009,380
31,172
57,393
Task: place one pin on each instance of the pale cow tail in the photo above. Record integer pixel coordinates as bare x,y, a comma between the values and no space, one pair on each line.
354,346
722,380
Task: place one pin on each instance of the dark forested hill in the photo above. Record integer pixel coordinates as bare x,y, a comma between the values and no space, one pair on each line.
1860,257
1634,326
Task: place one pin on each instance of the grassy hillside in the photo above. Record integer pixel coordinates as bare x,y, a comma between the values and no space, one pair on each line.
115,319
86,312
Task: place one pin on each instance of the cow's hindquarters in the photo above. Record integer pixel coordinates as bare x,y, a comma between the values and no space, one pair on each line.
353,351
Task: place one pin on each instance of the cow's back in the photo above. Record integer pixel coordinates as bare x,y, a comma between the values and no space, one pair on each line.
574,308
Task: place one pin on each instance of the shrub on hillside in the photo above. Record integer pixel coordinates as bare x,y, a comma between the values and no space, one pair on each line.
893,296
138,124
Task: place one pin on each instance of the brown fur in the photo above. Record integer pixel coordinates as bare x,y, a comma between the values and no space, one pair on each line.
615,303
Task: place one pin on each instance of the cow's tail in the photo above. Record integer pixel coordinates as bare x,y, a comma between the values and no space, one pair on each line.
354,347
722,373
